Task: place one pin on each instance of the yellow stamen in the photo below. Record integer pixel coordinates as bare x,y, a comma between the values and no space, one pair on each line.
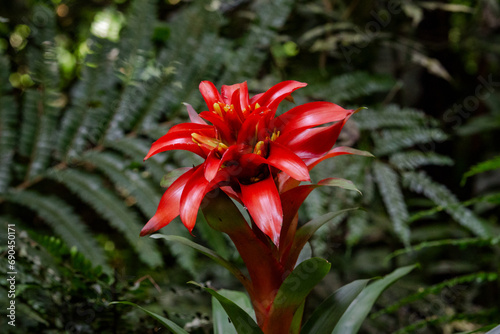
258,147
254,179
257,106
217,109
275,135
204,140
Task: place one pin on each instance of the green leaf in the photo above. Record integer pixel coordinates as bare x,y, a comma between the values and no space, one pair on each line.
294,290
329,312
390,189
220,318
494,330
241,320
208,252
172,326
337,182
356,313
442,196
482,167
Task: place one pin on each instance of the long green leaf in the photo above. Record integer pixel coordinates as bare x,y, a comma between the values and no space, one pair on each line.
294,290
172,326
220,318
329,312
241,320
356,313
205,251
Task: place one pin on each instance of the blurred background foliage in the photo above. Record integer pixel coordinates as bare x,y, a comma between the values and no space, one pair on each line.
86,86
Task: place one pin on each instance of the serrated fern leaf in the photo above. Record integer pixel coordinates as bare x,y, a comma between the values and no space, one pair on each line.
133,183
93,191
63,220
390,141
29,122
92,101
482,167
388,184
350,86
414,159
137,149
442,196
357,223
8,126
478,277
462,243
136,51
393,116
44,71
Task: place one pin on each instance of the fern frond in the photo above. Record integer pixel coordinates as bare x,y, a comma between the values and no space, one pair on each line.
357,223
461,243
442,196
137,149
412,160
63,220
482,167
45,73
350,86
393,116
446,319
390,141
58,249
93,191
490,198
29,122
92,101
8,125
135,185
388,184
478,277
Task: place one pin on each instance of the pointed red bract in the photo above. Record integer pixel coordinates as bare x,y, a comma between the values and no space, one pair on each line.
169,205
262,201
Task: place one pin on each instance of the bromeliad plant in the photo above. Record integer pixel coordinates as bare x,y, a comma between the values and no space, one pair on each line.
258,159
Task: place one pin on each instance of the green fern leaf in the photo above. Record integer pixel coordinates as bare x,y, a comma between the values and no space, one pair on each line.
8,125
388,183
63,220
133,183
478,277
44,71
357,222
93,191
440,195
414,159
482,167
391,141
461,243
349,86
84,122
137,149
393,116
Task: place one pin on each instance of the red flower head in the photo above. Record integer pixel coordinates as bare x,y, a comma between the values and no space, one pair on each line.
254,157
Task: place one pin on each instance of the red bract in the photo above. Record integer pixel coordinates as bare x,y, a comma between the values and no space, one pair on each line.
251,155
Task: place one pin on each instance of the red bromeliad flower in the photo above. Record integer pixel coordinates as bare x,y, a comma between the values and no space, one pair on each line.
253,156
